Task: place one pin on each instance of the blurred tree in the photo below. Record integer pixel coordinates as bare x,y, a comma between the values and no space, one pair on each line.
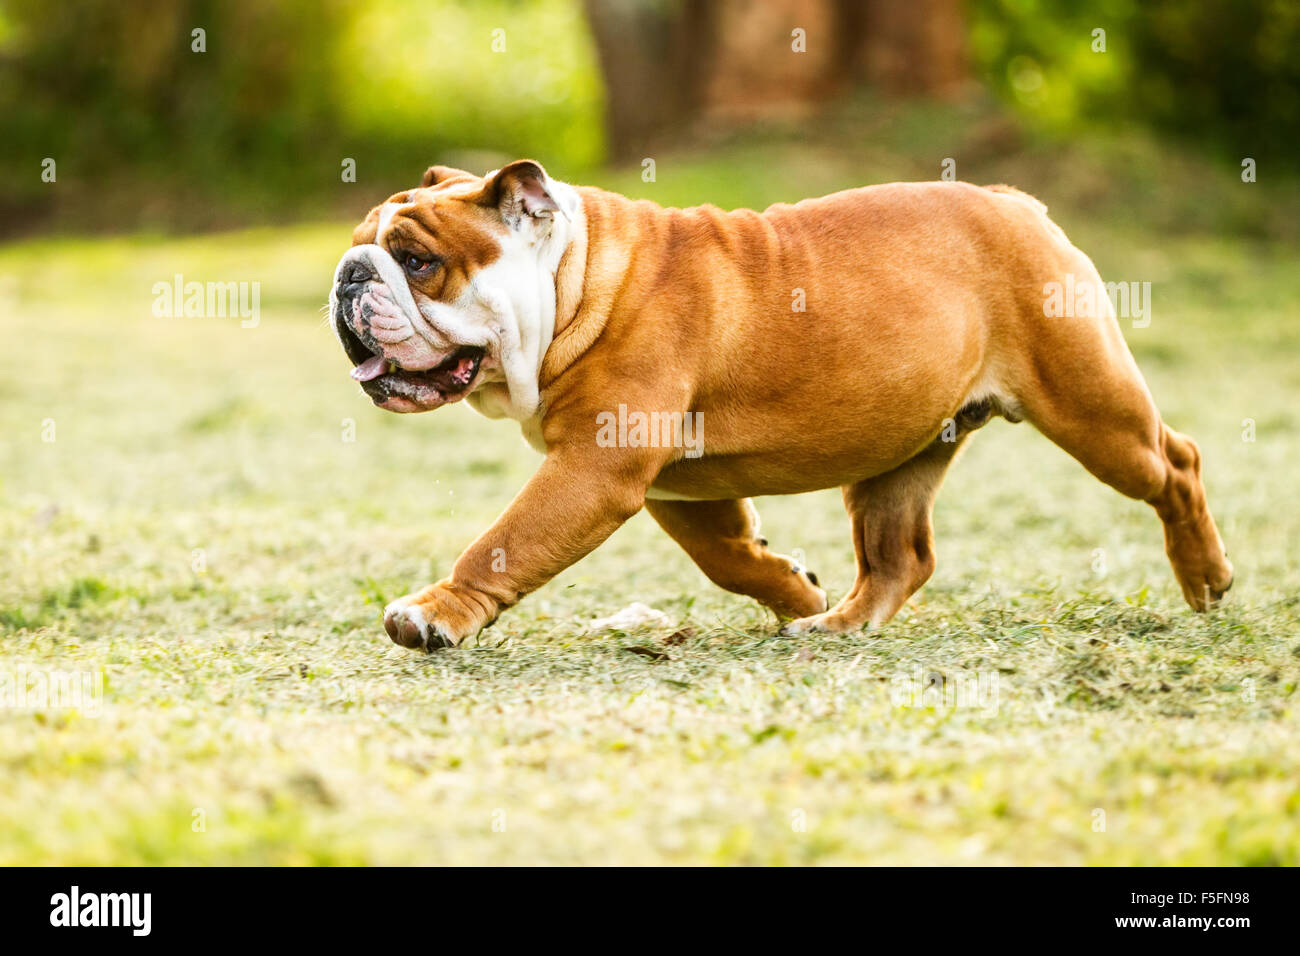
917,47
669,62
654,55
107,87
1224,73
152,126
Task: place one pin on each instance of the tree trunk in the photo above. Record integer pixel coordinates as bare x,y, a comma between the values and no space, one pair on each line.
654,56
917,47
669,63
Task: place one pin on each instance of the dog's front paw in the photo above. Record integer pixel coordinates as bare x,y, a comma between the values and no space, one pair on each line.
435,617
406,625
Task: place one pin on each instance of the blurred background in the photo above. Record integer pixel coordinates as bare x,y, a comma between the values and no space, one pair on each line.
156,127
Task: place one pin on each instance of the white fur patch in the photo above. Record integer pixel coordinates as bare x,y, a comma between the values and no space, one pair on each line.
386,213
512,304
400,292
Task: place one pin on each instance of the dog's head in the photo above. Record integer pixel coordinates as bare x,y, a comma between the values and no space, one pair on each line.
449,289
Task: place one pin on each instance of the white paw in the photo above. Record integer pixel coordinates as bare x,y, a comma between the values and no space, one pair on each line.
406,625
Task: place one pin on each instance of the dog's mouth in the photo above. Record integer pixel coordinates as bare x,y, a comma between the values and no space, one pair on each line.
391,386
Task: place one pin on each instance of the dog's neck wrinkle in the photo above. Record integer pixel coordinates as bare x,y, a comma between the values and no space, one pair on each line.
569,276
584,286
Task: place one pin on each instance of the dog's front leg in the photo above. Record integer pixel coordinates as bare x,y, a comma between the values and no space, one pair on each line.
576,499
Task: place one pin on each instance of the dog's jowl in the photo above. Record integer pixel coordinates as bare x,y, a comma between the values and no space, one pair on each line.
572,310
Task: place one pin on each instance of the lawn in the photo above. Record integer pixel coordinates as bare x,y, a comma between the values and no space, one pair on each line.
212,517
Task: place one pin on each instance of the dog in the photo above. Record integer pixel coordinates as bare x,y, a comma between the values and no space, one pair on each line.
687,360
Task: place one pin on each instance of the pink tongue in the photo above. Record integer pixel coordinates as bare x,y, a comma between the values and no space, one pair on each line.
371,368
463,370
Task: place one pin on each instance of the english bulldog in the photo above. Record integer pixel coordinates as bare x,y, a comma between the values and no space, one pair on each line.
854,340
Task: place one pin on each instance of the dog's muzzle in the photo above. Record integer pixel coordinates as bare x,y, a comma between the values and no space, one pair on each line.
396,364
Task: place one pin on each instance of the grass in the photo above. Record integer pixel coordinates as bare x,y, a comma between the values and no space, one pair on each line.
200,533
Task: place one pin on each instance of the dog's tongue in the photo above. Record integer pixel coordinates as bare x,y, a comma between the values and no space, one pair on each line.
463,372
371,368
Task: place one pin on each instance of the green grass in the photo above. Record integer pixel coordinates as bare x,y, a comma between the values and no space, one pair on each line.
202,535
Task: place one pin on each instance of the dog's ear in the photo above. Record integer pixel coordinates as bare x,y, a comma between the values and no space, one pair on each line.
438,174
519,190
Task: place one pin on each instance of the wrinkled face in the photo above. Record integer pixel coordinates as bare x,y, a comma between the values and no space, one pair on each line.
449,289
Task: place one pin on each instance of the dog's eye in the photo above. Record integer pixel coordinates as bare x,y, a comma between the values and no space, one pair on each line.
418,266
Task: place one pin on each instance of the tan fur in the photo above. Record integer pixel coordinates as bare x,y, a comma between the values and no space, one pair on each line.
922,299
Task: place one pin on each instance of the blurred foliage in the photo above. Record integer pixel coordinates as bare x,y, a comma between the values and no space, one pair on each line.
149,134
262,120
1225,73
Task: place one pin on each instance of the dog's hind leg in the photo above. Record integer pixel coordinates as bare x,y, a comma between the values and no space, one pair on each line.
722,538
1083,390
1110,424
893,537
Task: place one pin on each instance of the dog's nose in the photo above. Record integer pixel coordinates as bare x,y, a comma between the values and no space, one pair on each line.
355,271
